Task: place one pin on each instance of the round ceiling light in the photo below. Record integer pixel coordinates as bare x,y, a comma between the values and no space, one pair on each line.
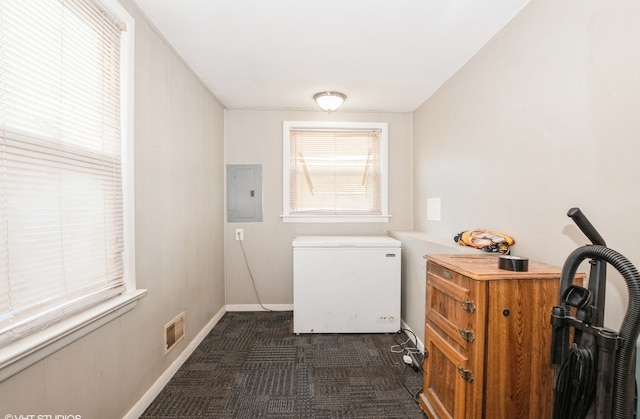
329,101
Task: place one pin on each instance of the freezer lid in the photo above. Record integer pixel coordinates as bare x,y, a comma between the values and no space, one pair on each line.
345,241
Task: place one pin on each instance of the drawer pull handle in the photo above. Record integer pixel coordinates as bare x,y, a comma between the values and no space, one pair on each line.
447,274
466,374
467,335
468,306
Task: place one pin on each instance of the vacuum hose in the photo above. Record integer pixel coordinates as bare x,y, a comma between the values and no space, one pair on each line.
622,394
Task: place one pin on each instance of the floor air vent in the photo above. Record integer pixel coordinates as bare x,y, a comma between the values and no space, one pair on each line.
173,332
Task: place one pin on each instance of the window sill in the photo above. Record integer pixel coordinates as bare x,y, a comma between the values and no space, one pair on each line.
25,352
335,218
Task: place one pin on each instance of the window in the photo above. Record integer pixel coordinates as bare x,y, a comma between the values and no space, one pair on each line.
65,148
335,172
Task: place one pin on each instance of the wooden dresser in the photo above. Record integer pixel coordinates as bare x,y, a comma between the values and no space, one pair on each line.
488,339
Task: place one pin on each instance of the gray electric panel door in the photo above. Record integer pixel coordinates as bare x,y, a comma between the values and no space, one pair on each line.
244,193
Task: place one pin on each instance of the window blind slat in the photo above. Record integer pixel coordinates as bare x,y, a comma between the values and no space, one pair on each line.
62,224
344,168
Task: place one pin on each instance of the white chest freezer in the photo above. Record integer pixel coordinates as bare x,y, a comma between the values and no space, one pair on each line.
346,284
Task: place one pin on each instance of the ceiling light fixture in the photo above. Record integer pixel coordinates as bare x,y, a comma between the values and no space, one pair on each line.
329,101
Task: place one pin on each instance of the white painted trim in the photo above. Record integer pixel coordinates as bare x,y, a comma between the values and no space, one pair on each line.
258,307
18,355
25,352
127,119
335,218
287,126
138,409
419,344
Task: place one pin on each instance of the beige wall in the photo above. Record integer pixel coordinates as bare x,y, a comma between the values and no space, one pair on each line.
255,137
179,229
544,118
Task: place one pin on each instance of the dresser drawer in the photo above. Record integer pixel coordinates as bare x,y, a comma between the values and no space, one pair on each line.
487,338
442,272
450,306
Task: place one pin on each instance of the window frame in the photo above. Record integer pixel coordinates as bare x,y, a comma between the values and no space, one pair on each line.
22,353
288,217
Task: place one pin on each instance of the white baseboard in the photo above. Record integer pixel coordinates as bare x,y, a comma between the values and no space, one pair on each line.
138,409
258,307
413,337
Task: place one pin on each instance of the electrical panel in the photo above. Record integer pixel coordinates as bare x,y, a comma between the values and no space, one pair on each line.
244,193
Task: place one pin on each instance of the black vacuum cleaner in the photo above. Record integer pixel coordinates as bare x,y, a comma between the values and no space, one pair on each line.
594,365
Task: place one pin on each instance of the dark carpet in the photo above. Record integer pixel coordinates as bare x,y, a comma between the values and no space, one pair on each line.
252,366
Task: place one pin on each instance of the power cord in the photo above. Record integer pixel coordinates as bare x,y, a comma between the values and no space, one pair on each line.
414,395
576,384
410,353
411,357
253,281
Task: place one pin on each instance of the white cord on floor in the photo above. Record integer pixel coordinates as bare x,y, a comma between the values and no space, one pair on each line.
253,281
411,358
402,347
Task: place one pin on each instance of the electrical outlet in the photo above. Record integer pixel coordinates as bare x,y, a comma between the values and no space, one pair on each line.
239,234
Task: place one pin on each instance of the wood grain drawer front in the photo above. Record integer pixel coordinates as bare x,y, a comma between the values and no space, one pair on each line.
447,378
448,309
441,271
506,371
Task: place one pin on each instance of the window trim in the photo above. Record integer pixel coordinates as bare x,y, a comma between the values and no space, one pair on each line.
25,352
287,217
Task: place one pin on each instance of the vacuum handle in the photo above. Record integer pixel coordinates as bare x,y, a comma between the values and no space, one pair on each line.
585,226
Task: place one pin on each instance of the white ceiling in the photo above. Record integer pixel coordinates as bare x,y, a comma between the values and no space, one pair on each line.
385,55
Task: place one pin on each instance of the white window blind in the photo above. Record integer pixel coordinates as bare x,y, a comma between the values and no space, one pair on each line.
336,171
61,203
